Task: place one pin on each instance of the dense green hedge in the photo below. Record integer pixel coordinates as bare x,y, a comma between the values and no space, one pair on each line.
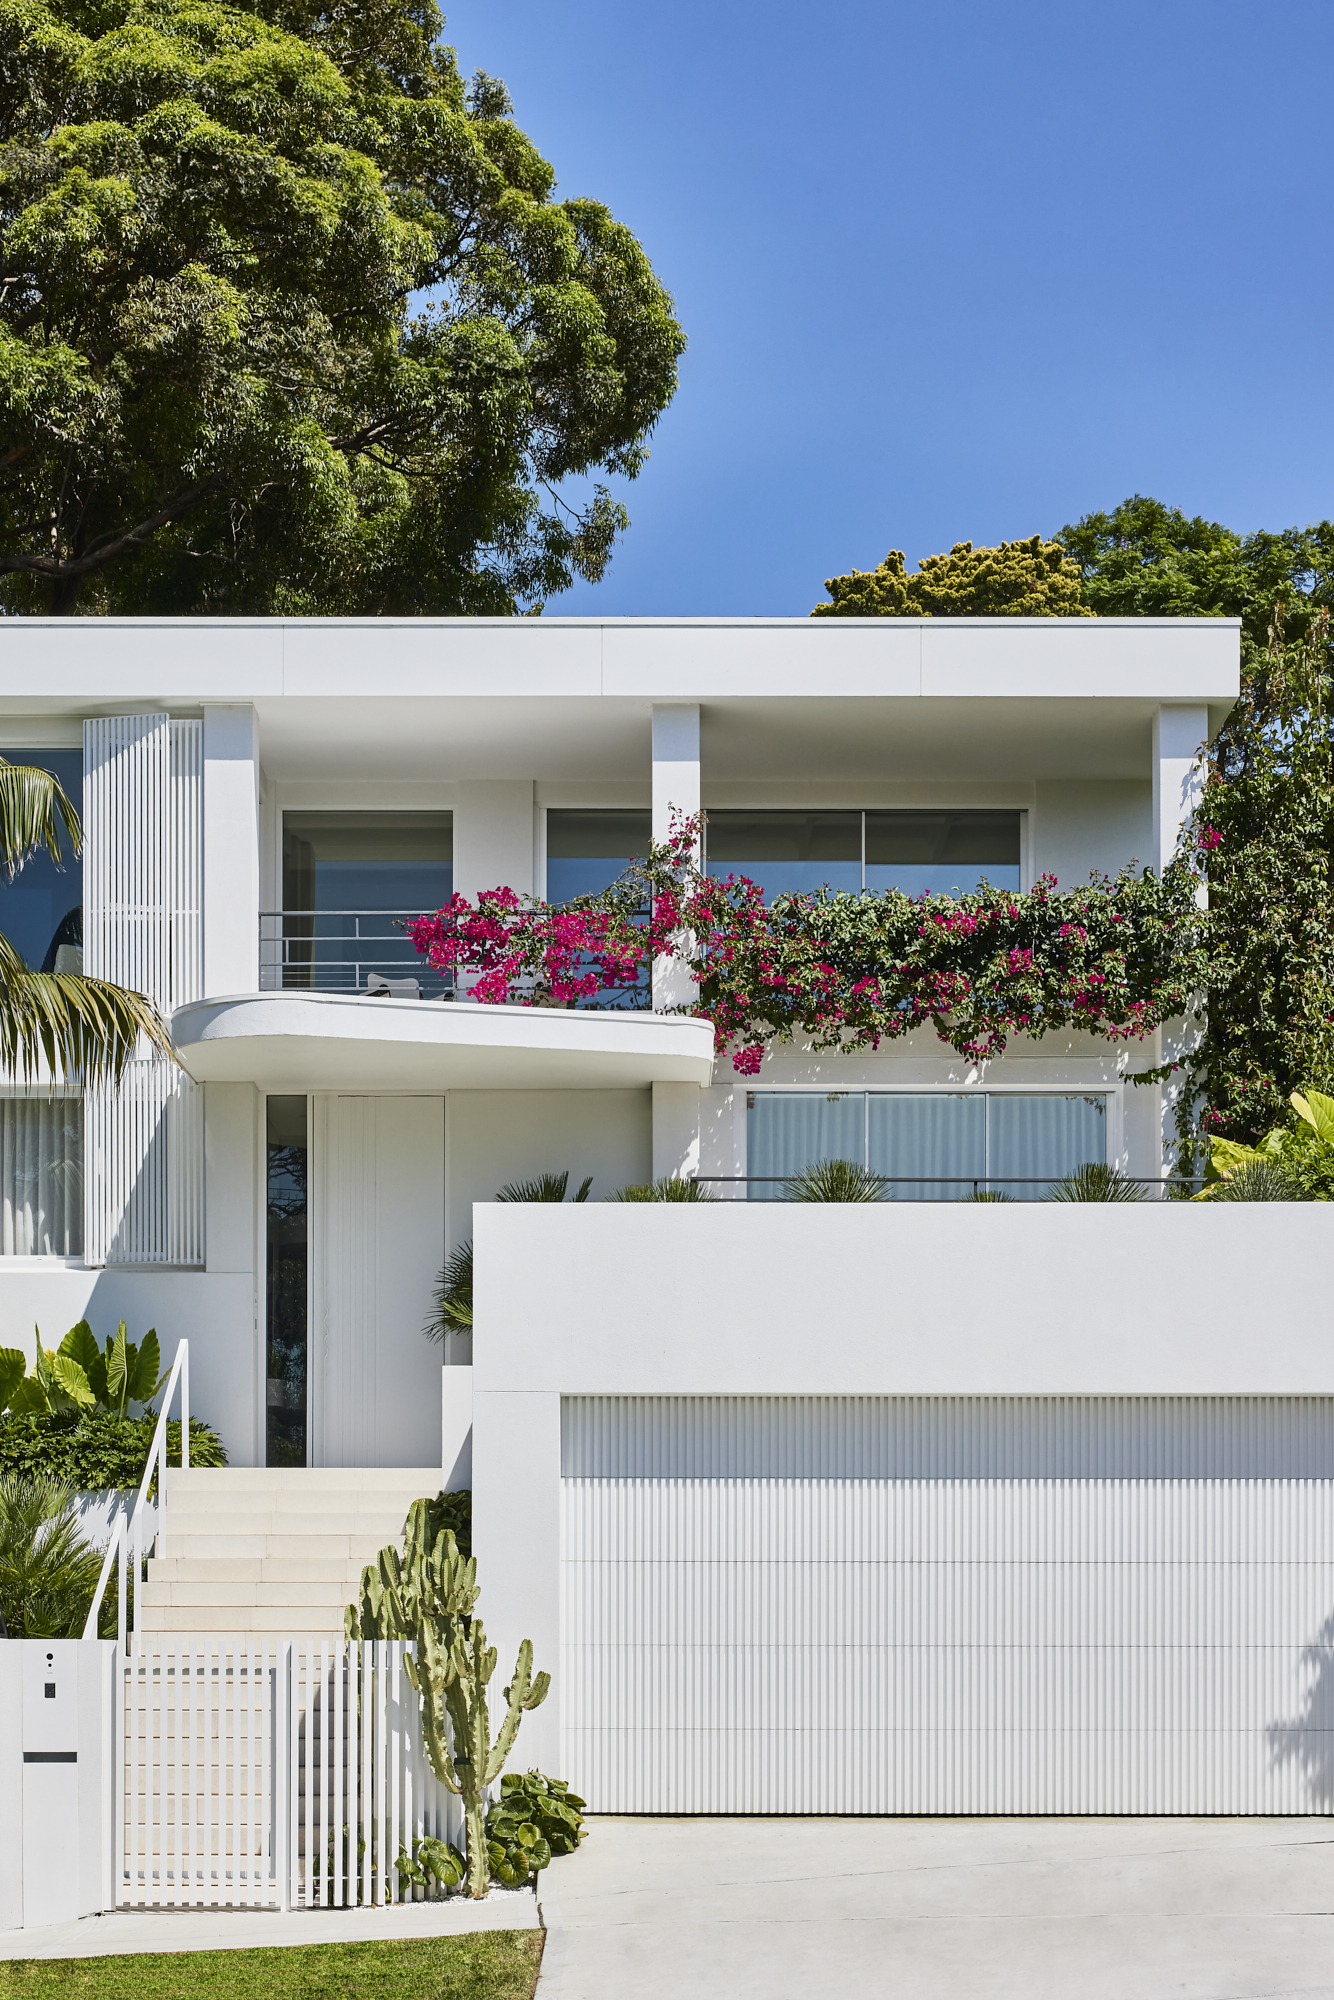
92,1449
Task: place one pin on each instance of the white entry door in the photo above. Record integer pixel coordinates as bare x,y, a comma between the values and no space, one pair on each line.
851,1604
378,1188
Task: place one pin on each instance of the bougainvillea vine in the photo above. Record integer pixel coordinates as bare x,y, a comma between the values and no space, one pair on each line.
1114,958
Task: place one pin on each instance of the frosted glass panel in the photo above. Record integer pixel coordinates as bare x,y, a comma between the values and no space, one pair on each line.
910,1138
787,1131
1042,1139
41,1177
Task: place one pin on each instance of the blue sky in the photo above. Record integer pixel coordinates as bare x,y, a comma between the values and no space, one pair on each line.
947,271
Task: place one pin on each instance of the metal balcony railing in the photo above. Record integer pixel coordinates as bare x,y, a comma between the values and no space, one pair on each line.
338,951
948,1187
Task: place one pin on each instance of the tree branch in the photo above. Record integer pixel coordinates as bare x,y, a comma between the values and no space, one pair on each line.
60,571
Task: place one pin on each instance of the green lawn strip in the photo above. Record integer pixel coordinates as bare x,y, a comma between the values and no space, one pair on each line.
483,1965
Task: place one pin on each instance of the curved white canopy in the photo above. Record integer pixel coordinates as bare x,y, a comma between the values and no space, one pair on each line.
336,1041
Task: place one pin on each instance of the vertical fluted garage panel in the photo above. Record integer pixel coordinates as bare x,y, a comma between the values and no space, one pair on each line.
949,1604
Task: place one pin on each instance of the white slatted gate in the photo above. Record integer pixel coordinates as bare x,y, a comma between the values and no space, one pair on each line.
949,1605
272,1773
143,862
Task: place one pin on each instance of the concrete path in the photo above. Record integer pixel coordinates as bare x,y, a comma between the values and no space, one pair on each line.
241,1930
1169,1909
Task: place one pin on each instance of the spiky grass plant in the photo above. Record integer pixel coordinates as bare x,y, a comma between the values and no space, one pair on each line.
1095,1181
834,1180
666,1189
1261,1180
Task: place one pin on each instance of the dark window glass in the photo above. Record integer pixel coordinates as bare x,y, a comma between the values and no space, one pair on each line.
41,910
285,1320
586,851
942,853
349,880
787,853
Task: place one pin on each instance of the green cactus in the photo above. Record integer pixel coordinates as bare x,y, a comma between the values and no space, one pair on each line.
430,1580
451,1682
428,1596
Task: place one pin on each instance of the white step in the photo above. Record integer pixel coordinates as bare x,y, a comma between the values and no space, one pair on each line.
276,1550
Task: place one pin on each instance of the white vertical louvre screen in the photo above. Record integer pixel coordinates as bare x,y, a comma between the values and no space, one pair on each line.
142,808
273,1773
949,1604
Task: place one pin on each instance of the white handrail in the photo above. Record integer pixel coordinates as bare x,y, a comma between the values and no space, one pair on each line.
157,1462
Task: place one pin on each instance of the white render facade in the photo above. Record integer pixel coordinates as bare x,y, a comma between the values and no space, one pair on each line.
203,741
930,1507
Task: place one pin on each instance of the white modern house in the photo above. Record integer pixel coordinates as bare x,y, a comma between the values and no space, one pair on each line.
927,1506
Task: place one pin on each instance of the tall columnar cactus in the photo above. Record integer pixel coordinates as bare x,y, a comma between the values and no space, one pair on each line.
451,1681
428,1595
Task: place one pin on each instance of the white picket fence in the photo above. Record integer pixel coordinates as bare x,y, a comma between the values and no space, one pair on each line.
270,1774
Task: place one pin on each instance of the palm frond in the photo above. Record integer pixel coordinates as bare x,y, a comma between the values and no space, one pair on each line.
451,1308
84,1029
48,1569
30,802
547,1187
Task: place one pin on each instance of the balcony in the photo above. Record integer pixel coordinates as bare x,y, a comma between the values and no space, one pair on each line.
342,951
296,1039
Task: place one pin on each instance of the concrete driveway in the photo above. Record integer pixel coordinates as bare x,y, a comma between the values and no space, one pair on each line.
942,1910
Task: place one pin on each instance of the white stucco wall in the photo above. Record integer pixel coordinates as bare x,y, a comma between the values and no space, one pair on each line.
495,1136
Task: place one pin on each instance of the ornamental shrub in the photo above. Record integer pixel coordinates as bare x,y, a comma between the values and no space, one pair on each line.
92,1450
534,1818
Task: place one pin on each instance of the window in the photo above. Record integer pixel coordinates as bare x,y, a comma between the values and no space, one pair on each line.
350,879
943,853
587,851
787,853
929,1145
41,910
285,1310
41,1176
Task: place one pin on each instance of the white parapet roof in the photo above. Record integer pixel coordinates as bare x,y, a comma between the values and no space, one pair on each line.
337,1041
569,697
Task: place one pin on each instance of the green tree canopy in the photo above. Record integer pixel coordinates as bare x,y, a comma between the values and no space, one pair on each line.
1145,560
1032,579
292,321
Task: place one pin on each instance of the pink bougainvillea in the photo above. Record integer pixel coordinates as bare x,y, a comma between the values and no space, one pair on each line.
1114,958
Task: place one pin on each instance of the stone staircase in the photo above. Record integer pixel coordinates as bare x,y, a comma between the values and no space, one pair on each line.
277,1551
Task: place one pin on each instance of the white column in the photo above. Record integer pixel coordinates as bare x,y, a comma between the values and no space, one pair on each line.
675,797
675,766
493,836
231,851
676,1122
1177,781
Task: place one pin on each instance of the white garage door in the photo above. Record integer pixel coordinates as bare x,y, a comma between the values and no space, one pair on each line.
949,1605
